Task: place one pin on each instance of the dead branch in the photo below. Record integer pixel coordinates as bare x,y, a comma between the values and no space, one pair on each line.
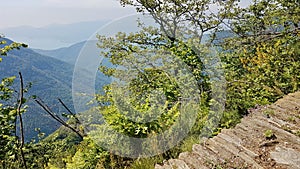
71,113
21,120
57,118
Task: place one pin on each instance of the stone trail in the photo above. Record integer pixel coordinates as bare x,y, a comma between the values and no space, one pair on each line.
247,146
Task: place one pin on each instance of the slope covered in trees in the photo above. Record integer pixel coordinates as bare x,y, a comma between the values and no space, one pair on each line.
49,79
67,54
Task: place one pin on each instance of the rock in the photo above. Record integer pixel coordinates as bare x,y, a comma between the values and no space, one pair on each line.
246,145
287,156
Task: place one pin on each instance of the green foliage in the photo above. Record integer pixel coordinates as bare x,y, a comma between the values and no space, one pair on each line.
9,142
90,155
188,143
86,156
197,17
146,163
297,133
262,60
269,112
6,48
143,52
230,119
260,68
50,79
8,115
35,155
269,134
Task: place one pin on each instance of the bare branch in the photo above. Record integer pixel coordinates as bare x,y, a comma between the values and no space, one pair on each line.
57,118
21,120
73,114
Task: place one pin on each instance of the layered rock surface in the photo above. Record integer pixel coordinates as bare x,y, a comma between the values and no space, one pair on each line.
269,137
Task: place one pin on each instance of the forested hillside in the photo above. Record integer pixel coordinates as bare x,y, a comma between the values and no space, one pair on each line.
67,54
49,79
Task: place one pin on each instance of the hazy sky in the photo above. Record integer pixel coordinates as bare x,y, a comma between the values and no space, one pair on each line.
40,13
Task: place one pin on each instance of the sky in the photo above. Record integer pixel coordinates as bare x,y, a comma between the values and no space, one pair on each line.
39,13
42,13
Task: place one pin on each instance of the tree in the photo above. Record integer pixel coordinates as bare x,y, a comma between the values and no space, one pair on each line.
192,17
163,62
4,48
259,42
7,121
15,152
262,58
12,146
145,78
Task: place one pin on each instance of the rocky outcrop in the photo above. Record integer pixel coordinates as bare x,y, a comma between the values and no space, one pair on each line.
269,137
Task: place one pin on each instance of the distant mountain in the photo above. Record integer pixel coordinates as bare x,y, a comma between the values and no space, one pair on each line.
50,78
66,54
55,35
87,51
63,35
84,56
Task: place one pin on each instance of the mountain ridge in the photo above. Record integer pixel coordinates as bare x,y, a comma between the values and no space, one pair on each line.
55,35
50,78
